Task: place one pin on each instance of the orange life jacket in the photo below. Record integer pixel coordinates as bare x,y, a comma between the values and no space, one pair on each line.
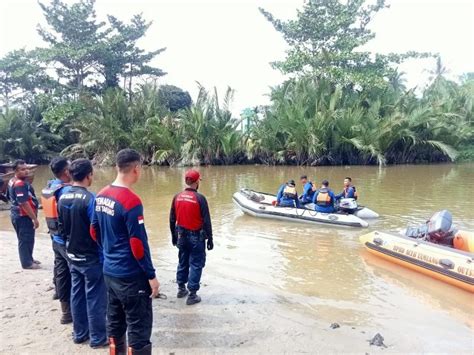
323,198
50,207
289,192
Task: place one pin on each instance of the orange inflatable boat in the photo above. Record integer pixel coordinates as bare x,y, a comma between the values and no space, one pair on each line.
453,265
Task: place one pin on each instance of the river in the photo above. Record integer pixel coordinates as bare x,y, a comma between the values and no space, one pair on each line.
320,270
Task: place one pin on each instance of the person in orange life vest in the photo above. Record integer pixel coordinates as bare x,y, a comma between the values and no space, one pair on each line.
324,199
349,190
23,214
287,195
190,226
49,199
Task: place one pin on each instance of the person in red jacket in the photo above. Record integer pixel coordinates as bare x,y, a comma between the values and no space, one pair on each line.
190,225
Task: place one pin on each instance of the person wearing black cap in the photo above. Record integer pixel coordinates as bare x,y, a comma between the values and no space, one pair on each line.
190,225
287,195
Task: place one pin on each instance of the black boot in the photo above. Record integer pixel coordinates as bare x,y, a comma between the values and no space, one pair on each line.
66,316
118,346
193,298
146,350
182,291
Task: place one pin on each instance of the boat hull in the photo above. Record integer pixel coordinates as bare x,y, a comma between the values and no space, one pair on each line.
449,265
264,209
361,212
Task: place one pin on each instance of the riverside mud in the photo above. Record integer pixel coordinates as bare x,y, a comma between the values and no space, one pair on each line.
234,317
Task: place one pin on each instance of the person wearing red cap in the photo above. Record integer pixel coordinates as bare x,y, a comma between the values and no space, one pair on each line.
190,225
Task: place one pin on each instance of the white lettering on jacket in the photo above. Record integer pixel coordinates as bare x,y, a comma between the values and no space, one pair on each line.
105,205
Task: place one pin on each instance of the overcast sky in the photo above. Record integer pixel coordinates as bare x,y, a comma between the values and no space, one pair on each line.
229,43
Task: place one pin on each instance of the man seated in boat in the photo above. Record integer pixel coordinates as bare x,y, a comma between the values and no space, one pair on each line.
308,190
324,199
287,195
349,190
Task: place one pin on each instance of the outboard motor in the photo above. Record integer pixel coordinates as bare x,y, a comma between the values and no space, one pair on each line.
348,205
437,229
439,225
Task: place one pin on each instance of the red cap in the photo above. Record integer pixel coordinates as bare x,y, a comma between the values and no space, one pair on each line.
192,176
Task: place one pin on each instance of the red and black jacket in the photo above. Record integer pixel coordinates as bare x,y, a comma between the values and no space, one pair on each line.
189,210
20,192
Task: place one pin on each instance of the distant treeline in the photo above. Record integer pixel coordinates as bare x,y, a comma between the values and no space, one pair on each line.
341,105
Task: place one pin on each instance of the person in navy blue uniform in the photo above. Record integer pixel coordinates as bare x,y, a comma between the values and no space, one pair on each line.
349,190
23,214
88,293
49,197
190,226
287,195
324,199
119,227
308,190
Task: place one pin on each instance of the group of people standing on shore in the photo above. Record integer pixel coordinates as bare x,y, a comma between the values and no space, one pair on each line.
323,198
103,271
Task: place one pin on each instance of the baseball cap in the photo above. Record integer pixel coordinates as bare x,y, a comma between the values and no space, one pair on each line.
192,175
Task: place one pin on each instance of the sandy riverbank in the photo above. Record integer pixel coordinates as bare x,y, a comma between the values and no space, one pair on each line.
233,317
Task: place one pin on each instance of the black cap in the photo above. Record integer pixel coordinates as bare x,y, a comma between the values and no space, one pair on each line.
291,182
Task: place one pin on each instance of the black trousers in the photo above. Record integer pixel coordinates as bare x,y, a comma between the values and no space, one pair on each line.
25,232
62,274
129,309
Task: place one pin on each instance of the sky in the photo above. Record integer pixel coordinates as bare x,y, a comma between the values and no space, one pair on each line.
229,43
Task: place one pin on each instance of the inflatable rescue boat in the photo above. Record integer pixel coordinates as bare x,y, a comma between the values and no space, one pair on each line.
259,204
450,264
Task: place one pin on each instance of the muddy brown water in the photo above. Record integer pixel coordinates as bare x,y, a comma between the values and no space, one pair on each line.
322,270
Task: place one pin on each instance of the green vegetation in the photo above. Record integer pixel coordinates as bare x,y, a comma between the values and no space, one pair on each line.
341,105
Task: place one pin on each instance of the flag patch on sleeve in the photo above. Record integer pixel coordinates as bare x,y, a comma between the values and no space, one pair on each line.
140,220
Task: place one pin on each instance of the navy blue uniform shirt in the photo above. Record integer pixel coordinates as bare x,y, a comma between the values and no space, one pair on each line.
119,227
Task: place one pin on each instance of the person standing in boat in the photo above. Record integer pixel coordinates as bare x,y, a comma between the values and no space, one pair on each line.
88,293
308,190
349,190
49,197
190,226
324,199
287,195
24,213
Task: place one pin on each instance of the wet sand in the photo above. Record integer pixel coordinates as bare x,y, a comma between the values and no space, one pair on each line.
234,317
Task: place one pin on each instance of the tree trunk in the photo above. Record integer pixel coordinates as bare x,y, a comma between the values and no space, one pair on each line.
130,84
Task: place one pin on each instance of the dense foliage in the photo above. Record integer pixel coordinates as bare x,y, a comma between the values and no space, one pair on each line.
340,106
